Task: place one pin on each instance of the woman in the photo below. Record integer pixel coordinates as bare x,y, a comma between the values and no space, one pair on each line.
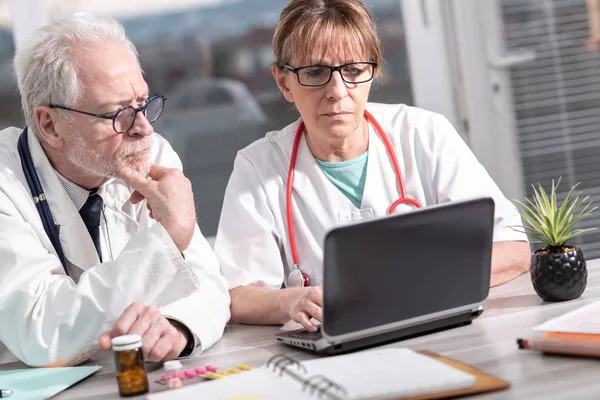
327,53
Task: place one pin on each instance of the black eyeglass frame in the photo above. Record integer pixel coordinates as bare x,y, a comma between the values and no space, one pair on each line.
331,71
113,116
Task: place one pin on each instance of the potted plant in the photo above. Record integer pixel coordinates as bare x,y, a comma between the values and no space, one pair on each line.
558,270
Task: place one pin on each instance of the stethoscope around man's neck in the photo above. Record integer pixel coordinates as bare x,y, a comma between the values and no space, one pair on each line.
41,203
296,277
39,198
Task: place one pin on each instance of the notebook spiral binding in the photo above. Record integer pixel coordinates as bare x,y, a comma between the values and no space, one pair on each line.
317,385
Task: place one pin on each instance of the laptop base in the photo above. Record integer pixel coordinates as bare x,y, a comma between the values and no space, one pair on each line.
323,346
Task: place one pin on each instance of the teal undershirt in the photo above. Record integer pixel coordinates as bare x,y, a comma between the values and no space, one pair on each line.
348,176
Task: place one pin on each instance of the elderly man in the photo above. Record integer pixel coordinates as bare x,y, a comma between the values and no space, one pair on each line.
90,248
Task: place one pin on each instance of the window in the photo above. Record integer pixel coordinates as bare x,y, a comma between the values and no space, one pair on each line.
10,112
557,100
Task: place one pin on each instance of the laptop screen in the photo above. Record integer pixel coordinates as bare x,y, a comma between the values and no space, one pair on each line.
405,266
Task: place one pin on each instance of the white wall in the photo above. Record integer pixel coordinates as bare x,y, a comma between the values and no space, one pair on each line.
483,66
431,72
453,47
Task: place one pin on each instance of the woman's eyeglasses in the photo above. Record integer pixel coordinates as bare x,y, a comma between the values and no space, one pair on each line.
320,75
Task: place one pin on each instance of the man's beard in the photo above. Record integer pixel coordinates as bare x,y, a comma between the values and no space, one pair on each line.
95,163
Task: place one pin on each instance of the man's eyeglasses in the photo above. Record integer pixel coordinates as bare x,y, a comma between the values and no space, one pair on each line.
124,118
320,75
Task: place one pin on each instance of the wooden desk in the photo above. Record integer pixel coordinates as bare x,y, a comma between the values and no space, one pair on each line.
511,311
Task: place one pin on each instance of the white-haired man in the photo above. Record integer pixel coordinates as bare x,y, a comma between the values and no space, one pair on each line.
90,248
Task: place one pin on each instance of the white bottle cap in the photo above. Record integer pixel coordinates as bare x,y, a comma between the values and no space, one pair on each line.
126,342
172,365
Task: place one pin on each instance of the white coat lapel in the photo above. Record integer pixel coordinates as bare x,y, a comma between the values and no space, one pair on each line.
121,216
74,237
381,187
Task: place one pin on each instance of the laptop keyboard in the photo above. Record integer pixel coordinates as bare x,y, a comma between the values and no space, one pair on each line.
306,335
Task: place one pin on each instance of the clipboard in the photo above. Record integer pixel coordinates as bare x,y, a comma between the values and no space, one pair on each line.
485,382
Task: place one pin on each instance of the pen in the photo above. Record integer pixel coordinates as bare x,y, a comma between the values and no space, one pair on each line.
5,393
560,346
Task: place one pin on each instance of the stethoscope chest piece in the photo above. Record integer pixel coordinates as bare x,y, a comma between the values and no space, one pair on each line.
297,278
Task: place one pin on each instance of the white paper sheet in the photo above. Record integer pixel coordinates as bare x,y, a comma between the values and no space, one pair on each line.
585,319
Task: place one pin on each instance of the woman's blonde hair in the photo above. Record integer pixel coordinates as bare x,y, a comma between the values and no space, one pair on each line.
340,27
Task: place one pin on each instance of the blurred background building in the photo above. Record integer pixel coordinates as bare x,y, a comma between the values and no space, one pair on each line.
515,77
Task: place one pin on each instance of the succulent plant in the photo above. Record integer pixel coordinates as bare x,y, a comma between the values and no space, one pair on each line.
550,223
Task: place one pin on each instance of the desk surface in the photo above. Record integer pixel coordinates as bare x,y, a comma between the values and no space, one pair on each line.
511,311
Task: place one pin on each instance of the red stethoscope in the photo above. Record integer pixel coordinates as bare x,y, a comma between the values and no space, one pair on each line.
296,277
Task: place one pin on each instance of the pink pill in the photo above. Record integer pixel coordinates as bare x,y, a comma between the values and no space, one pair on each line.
181,375
211,368
164,378
174,383
189,373
200,371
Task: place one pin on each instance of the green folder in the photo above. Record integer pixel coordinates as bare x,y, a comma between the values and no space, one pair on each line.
41,383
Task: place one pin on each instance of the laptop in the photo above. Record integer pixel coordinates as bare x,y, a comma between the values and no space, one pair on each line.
401,276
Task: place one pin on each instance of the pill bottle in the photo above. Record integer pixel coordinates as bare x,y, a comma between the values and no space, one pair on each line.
129,364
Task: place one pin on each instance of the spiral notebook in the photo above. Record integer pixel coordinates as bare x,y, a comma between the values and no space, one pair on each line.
376,374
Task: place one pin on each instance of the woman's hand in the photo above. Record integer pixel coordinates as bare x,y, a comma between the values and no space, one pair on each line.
302,304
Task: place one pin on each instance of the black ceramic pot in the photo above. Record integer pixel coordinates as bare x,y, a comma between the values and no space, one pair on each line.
559,276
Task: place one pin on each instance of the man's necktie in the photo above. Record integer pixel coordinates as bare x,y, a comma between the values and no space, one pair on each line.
90,213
